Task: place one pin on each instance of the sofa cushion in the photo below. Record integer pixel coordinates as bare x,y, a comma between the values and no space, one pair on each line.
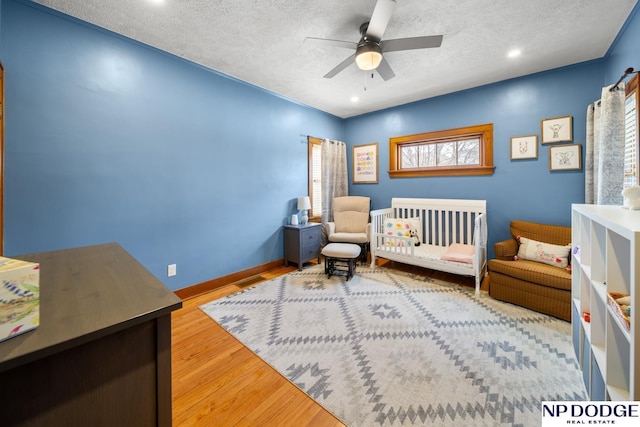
349,238
351,222
351,214
555,255
532,271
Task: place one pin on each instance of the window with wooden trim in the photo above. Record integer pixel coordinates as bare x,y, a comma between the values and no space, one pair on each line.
461,151
631,133
315,168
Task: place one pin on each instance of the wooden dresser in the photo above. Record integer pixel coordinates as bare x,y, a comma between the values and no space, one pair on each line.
102,353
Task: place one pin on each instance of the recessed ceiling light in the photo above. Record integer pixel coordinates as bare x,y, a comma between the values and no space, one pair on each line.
355,99
514,53
156,1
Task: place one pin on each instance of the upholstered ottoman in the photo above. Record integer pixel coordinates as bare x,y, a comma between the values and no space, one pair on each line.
340,259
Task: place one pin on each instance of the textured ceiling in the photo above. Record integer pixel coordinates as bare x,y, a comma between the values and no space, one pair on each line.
262,41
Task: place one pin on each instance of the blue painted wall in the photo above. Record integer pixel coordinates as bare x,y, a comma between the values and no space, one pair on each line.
625,51
110,140
522,189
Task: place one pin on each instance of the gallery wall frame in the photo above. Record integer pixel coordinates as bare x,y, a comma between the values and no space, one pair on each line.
365,163
556,129
565,157
524,147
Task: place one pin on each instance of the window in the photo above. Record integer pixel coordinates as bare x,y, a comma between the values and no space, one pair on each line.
631,133
314,168
462,151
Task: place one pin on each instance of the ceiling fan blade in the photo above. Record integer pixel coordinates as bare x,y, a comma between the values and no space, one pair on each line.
385,71
380,18
341,66
329,42
411,43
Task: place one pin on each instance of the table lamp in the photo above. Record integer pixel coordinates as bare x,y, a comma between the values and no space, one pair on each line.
304,203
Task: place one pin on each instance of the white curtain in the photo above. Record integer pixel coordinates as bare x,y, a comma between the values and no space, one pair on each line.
334,175
604,157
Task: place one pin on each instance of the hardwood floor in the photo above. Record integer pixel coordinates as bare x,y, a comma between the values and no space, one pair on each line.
219,382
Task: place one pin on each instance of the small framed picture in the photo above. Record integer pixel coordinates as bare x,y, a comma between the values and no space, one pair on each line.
565,157
556,129
365,164
524,147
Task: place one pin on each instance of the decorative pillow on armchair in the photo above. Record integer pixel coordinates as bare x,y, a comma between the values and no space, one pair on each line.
351,222
555,255
400,227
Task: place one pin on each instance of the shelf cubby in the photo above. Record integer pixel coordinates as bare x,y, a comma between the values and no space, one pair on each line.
618,360
585,292
598,252
618,264
583,234
608,238
598,327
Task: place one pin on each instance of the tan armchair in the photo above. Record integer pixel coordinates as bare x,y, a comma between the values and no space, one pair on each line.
350,222
537,286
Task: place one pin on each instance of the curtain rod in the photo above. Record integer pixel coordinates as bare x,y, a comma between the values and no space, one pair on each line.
626,73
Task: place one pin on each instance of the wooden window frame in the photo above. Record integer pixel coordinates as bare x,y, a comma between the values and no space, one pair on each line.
631,89
486,167
311,141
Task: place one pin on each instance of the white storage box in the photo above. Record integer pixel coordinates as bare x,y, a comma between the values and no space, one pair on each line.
19,297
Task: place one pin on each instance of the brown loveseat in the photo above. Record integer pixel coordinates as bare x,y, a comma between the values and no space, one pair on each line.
535,285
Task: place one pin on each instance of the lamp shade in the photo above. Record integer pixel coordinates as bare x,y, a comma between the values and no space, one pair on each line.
304,203
368,55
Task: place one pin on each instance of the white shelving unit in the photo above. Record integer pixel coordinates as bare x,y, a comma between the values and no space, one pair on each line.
608,260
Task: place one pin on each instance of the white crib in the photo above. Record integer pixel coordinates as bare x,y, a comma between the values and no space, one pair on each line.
441,222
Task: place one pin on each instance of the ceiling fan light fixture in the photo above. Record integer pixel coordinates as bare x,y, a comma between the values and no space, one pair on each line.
368,55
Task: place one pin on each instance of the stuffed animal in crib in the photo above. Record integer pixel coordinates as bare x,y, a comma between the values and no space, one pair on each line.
414,237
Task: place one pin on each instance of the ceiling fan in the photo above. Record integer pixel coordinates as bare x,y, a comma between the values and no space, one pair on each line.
369,50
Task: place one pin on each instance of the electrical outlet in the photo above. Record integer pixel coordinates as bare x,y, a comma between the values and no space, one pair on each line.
171,270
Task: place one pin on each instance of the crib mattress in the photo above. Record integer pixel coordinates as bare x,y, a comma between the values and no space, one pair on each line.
430,253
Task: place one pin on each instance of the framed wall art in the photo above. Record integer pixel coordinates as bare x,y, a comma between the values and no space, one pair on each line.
565,157
556,129
524,147
365,164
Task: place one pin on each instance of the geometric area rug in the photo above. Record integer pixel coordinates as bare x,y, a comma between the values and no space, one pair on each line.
389,348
